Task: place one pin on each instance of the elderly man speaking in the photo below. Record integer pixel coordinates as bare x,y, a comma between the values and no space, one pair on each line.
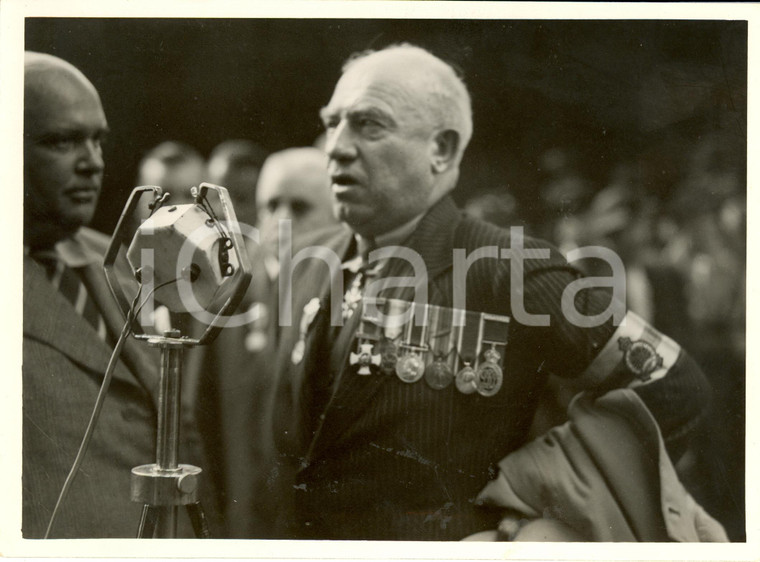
388,428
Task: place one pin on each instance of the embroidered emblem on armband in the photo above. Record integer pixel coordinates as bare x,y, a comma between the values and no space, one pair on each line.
640,357
635,354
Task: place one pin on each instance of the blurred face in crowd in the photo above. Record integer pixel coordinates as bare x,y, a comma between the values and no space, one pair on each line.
64,126
235,164
293,185
176,167
380,143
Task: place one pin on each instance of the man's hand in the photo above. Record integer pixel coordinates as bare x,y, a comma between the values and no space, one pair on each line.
528,530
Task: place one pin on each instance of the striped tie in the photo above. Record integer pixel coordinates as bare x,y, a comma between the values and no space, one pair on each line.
69,283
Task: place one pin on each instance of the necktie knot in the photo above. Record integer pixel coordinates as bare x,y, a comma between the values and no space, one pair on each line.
365,246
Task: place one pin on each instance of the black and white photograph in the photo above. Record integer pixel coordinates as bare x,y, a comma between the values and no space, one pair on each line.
416,273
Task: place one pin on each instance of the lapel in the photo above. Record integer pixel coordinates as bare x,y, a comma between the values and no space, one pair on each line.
433,240
318,332
315,358
51,319
141,360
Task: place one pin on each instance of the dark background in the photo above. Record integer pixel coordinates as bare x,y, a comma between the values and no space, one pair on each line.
609,90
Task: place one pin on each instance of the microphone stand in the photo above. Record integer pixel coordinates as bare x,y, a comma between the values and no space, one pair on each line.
164,486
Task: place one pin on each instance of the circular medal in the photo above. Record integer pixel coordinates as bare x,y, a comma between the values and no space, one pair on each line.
388,356
410,367
438,374
489,379
465,379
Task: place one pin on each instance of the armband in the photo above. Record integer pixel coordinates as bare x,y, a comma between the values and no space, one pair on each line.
636,354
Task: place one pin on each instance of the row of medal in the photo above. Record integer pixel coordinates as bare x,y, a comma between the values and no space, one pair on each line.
440,345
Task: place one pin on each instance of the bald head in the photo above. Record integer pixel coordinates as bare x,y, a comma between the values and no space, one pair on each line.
293,184
64,126
438,92
47,75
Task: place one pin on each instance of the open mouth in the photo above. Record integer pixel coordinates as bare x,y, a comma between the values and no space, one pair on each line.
343,180
82,194
344,186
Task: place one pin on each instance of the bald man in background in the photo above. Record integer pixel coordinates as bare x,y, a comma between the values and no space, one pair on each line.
235,372
71,321
294,186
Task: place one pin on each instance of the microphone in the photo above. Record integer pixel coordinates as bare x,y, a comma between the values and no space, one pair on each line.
190,260
183,243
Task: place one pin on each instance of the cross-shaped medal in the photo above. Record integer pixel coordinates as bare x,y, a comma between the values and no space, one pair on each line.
364,359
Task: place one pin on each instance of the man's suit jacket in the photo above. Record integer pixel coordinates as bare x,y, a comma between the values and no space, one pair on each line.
225,384
63,366
372,457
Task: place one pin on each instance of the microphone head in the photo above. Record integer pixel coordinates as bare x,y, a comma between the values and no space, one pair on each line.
186,252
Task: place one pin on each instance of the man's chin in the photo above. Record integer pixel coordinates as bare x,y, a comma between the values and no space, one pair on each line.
361,223
44,232
73,220
351,214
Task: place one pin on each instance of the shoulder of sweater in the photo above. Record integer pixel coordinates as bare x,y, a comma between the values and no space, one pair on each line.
329,236
472,234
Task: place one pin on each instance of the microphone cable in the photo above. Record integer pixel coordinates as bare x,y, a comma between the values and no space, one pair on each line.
125,331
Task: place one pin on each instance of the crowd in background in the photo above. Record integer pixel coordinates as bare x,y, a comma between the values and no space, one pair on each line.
684,253
694,236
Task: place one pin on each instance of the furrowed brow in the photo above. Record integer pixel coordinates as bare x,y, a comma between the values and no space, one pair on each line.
373,113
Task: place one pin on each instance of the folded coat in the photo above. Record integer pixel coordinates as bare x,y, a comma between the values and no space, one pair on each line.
606,474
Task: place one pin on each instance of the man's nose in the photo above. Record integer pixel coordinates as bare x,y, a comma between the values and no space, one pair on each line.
340,142
91,157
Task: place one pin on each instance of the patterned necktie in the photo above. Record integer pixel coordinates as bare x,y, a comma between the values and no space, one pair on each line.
68,282
356,273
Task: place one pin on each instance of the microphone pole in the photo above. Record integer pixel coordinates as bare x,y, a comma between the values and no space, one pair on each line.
165,485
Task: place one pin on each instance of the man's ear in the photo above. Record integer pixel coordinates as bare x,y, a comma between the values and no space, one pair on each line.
445,150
